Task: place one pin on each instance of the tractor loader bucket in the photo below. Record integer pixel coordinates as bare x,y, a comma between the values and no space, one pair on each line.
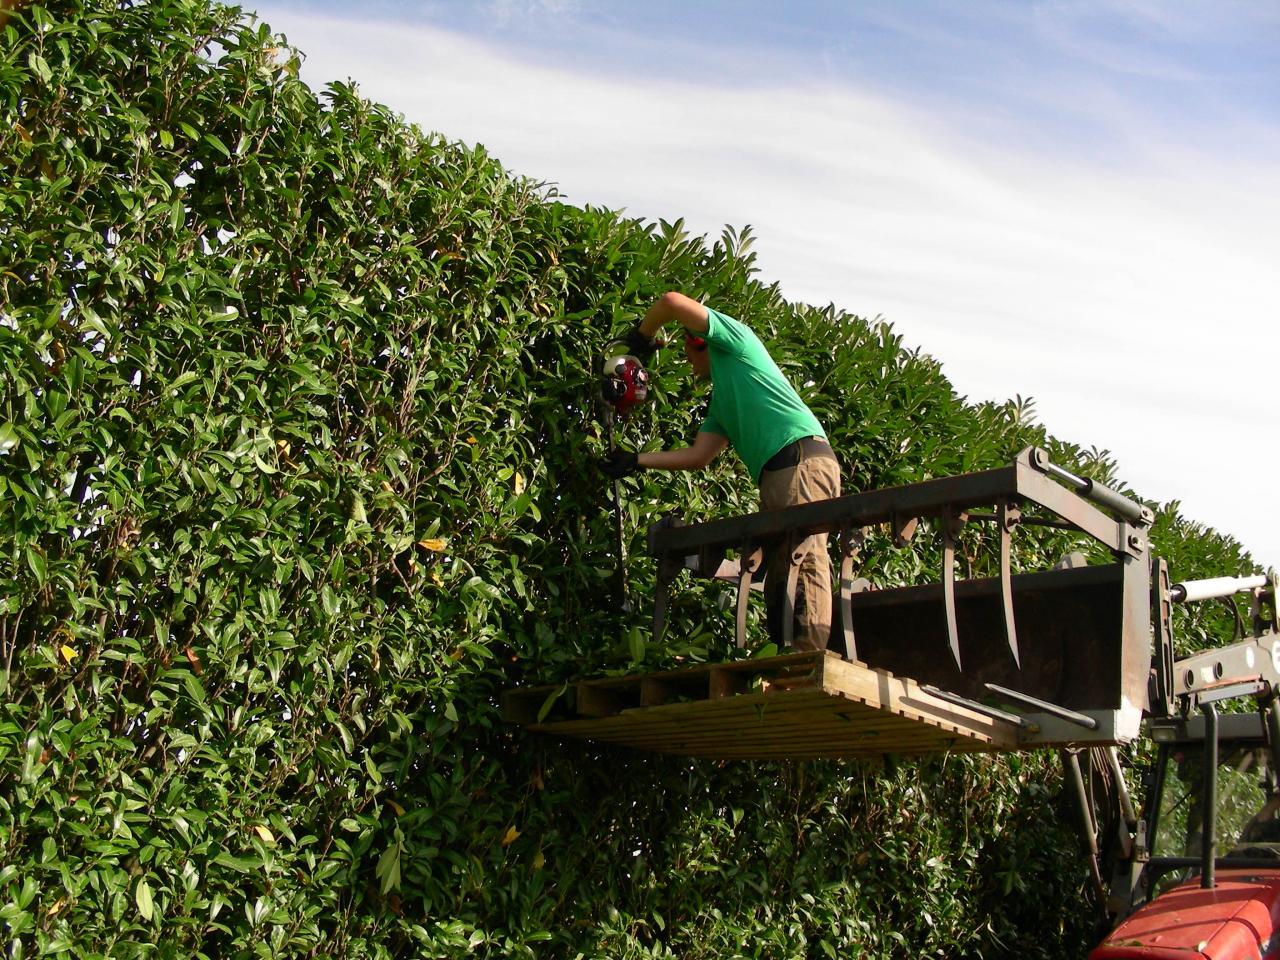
1070,626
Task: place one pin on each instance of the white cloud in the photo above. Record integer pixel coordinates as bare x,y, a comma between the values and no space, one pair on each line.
508,11
1136,305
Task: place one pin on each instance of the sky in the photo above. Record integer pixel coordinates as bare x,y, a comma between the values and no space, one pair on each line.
1076,201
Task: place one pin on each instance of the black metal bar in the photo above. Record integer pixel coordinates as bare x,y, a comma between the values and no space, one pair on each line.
825,516
1208,829
1155,788
916,500
1044,706
1025,521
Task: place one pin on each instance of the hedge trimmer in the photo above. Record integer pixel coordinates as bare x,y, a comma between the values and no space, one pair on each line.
625,384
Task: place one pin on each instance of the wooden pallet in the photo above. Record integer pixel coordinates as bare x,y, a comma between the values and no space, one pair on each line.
796,706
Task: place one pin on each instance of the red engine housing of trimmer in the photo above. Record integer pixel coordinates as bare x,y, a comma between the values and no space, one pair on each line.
625,384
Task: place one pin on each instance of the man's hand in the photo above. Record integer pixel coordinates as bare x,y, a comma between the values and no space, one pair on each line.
619,463
640,346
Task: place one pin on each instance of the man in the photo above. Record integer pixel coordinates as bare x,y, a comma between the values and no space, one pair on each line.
754,409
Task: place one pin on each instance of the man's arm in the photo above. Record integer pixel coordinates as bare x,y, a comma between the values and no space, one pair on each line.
706,447
686,311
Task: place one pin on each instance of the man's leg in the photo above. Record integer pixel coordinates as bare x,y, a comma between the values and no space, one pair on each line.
814,478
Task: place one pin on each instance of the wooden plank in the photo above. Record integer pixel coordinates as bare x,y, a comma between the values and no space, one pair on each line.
819,741
521,704
849,724
797,705
901,695
810,723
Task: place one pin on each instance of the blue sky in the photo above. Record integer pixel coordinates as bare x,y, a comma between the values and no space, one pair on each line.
1075,201
1054,71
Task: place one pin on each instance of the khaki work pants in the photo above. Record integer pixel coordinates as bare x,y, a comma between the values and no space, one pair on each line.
813,478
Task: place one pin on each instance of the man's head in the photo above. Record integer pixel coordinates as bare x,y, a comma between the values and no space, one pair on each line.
695,351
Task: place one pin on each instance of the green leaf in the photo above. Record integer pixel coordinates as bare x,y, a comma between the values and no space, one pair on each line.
181,380
37,564
388,868
8,438
142,897
39,67
217,144
550,701
238,864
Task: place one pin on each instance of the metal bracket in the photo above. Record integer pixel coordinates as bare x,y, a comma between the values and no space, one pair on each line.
1160,686
793,541
746,568
904,528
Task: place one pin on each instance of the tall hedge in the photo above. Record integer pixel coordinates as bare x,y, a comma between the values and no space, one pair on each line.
296,442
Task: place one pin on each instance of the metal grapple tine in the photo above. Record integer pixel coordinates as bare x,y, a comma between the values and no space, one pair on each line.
850,547
789,599
951,524
1007,516
745,570
660,606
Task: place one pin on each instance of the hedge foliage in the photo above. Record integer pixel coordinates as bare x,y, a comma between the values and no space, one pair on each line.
296,433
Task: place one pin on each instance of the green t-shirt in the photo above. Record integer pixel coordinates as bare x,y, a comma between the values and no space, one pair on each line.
752,404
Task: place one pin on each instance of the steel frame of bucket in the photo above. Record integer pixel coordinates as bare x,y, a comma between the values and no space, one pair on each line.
1006,492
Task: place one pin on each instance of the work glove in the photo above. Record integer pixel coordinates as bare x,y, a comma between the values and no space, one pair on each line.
619,463
640,346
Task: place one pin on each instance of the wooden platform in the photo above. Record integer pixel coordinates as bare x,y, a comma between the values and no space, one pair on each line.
797,706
